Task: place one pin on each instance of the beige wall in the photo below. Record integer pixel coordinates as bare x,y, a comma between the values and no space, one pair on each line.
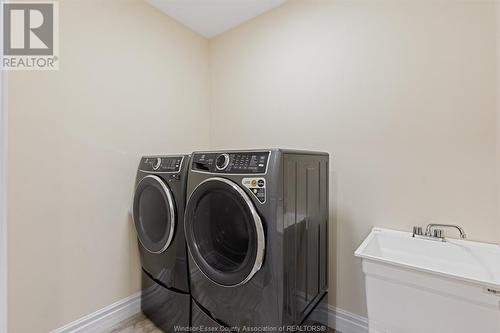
498,102
131,82
402,95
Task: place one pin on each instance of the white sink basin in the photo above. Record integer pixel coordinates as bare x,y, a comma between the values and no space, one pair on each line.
423,286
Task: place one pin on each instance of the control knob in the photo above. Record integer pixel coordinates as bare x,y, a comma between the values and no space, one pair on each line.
157,163
222,161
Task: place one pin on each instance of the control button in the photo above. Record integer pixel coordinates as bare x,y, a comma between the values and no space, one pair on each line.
157,163
261,182
254,183
222,161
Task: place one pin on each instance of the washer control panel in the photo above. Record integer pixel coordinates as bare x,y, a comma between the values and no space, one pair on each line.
254,162
161,163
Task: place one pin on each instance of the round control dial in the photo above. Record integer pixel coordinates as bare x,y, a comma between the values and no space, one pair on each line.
222,161
157,163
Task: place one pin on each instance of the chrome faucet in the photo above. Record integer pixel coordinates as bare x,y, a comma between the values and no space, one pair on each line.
438,234
432,225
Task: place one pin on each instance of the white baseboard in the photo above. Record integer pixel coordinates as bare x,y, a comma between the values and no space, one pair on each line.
346,322
106,317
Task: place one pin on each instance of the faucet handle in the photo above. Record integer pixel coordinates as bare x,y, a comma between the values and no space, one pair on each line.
438,233
417,230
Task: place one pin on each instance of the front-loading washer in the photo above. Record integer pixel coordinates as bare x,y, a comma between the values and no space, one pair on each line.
256,225
158,212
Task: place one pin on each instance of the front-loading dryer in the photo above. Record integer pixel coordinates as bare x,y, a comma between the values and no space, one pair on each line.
256,225
158,212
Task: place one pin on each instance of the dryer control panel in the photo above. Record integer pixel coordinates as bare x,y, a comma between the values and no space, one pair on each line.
253,162
161,163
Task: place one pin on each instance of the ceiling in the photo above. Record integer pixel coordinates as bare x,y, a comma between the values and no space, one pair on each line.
212,17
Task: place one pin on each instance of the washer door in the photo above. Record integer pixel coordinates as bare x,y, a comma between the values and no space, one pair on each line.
154,214
224,233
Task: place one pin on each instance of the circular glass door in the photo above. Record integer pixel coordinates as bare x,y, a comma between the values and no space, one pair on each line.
154,214
224,233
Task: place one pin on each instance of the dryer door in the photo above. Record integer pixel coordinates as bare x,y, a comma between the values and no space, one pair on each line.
154,214
224,233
